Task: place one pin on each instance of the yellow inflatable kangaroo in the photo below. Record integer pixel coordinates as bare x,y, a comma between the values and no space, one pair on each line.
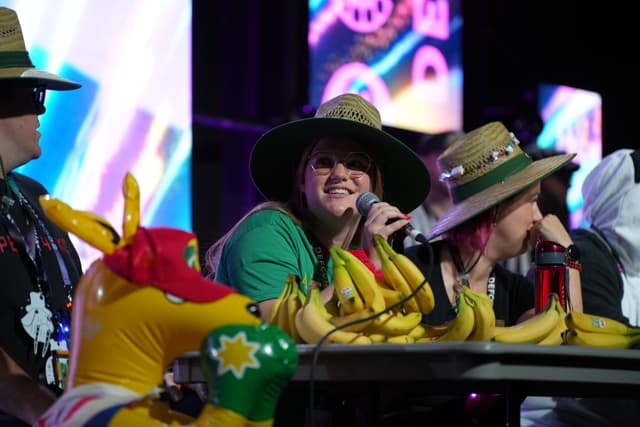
142,305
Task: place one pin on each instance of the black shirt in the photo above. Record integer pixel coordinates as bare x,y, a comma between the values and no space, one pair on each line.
601,281
514,293
18,276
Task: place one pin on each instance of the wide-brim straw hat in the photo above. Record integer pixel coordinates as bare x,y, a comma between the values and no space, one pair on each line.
277,153
15,64
485,167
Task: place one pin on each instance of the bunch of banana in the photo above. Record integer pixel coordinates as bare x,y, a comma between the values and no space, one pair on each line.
393,278
463,325
286,306
535,329
485,318
555,336
401,274
312,322
371,317
591,330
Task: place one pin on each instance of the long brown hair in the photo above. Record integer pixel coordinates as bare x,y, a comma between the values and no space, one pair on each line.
296,208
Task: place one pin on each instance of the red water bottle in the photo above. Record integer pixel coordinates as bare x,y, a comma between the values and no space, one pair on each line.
552,275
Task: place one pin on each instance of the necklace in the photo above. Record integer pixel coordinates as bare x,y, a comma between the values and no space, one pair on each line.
464,272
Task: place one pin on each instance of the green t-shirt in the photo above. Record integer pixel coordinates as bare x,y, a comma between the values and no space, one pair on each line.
265,248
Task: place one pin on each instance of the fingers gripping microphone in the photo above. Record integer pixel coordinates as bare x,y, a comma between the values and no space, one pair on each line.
367,199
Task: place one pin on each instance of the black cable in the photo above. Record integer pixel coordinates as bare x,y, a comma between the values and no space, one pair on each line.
316,350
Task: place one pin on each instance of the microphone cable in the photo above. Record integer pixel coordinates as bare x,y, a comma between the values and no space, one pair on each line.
316,350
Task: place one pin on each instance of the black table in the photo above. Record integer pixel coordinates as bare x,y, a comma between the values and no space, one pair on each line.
513,370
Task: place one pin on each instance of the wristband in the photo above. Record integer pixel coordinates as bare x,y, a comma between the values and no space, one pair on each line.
575,265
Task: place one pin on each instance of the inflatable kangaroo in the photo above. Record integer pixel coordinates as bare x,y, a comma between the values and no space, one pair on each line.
142,305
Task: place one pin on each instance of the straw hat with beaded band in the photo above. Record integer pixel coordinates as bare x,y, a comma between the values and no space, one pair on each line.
276,155
15,64
485,167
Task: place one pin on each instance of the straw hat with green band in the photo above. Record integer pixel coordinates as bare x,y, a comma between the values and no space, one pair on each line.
276,155
15,64
485,167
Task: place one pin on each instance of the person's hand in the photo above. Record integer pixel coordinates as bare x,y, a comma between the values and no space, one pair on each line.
550,228
383,219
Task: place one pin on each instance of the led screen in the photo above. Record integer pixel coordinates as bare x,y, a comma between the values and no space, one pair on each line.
133,113
404,56
572,124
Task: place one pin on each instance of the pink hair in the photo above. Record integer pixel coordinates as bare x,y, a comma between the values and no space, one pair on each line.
475,232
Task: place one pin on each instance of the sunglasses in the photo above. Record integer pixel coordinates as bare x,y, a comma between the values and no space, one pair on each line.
39,93
356,163
18,100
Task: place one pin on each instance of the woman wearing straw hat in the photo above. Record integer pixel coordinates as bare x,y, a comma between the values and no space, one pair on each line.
312,171
39,265
494,186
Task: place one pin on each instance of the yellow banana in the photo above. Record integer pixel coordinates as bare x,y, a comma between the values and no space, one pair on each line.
392,275
599,339
363,319
377,338
532,330
599,324
414,277
500,329
555,336
418,332
274,314
432,331
485,317
461,327
312,323
345,289
294,303
401,339
364,279
391,296
392,324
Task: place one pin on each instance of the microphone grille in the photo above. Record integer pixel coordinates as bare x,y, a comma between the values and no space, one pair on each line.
364,202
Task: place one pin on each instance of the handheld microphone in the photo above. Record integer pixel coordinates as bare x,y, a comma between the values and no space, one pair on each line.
367,199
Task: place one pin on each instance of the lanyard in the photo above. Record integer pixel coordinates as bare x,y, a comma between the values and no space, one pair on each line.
464,273
31,240
322,255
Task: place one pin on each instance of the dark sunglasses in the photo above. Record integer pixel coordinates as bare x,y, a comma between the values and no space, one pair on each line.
21,99
323,162
39,93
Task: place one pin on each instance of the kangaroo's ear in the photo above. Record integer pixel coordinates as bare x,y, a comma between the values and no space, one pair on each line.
88,226
131,218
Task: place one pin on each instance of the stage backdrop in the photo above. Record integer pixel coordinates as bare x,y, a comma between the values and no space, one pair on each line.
133,113
572,124
405,56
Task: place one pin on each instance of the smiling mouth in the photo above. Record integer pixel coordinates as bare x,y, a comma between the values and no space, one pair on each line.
338,191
